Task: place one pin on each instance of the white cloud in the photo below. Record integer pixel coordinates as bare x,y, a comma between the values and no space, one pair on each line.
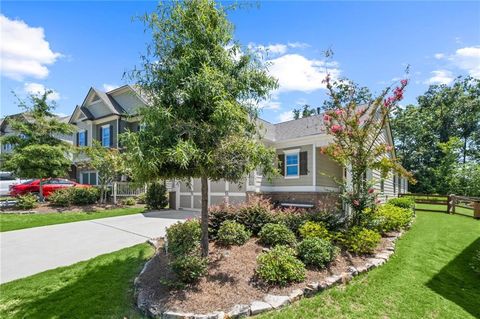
268,49
297,73
298,45
439,56
109,87
467,59
285,116
440,77
38,89
272,104
24,51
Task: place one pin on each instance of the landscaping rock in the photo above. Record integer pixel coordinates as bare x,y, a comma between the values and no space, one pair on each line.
309,292
352,270
277,301
362,268
177,315
332,280
295,295
375,262
213,315
384,255
346,277
239,311
257,307
313,285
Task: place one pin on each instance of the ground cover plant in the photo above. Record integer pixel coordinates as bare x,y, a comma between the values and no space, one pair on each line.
10,222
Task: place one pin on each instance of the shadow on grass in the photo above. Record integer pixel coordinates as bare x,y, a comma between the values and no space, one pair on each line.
97,289
458,283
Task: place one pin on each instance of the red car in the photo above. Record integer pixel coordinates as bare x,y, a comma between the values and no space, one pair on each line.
49,186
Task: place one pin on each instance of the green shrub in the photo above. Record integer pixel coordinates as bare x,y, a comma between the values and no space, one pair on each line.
217,215
189,268
84,196
316,252
129,201
62,198
279,266
360,240
389,217
403,202
255,214
277,234
142,198
184,237
292,218
156,197
475,263
232,233
27,201
314,229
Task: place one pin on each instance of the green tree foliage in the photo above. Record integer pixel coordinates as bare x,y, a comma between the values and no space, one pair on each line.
203,92
38,151
304,111
440,135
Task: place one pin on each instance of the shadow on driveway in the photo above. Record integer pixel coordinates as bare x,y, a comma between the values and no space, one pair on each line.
171,214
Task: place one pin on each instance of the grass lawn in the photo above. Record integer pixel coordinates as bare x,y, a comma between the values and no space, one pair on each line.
21,221
98,288
428,277
458,210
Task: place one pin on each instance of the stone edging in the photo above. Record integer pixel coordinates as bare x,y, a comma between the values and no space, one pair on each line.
270,302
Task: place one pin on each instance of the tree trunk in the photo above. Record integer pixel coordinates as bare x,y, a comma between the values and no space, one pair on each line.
204,240
41,197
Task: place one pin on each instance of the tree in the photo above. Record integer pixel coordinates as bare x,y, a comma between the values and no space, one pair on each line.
305,111
355,129
203,92
38,152
108,162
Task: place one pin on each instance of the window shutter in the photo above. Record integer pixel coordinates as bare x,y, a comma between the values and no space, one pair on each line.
86,137
281,164
100,135
111,134
303,163
78,134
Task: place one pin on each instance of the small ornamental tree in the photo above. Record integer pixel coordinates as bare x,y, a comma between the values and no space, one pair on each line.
203,92
108,162
355,128
38,151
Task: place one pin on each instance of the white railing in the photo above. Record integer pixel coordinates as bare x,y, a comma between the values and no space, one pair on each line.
126,189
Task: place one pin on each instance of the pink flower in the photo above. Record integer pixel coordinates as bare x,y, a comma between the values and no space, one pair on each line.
404,82
398,93
388,147
338,112
388,101
326,118
336,128
356,202
370,190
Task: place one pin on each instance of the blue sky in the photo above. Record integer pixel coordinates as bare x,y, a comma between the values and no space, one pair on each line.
70,46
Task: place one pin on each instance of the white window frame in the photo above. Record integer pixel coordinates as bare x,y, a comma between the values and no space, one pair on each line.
107,126
288,153
84,138
89,172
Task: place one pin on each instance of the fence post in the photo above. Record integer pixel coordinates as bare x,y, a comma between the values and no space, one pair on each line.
476,209
115,193
451,204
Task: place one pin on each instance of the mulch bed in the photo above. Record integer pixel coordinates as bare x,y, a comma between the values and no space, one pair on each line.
230,280
45,208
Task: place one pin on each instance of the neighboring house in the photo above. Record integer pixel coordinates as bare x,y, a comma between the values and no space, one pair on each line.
307,176
6,129
102,117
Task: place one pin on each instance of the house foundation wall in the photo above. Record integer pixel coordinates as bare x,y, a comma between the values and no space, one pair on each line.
321,200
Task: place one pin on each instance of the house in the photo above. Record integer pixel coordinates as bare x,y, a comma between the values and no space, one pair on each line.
102,116
307,176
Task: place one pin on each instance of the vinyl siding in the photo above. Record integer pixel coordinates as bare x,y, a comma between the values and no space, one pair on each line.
327,171
129,101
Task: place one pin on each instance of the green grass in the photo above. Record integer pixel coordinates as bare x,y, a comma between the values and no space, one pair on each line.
21,221
98,288
443,208
428,277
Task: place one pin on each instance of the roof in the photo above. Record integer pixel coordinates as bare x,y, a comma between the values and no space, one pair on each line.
306,126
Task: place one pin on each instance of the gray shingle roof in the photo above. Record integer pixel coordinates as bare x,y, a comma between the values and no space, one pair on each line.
312,125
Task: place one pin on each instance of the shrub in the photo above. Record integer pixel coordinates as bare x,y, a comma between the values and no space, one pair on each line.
316,252
389,217
360,240
255,214
184,237
333,220
232,233
217,215
280,266
84,196
314,229
403,202
141,199
292,218
189,268
156,197
277,234
129,201
62,198
475,263
27,201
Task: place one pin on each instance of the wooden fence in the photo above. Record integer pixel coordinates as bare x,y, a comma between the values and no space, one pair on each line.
450,204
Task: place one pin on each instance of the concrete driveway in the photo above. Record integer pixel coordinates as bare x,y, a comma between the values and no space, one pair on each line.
29,251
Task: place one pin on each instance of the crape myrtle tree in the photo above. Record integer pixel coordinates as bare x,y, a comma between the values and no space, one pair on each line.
203,91
38,152
355,119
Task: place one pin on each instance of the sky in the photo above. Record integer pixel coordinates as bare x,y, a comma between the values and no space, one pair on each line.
68,47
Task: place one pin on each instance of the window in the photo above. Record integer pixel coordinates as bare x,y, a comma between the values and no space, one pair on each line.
106,136
6,176
82,138
292,165
89,178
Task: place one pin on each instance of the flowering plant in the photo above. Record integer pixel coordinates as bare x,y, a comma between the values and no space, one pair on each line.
356,124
